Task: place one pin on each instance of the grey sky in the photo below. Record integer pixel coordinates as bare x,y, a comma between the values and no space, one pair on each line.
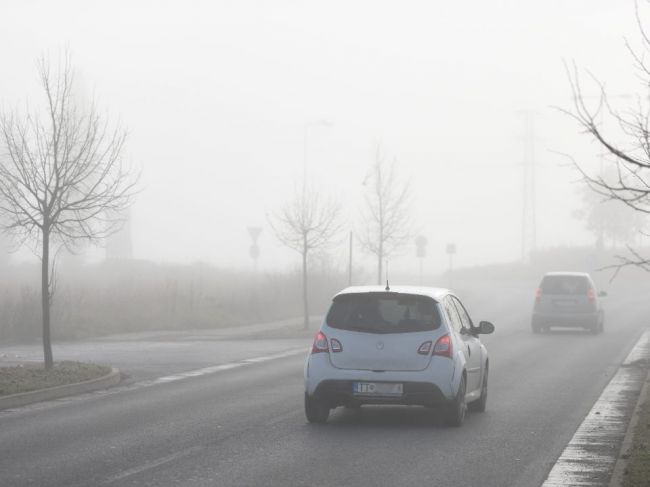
217,94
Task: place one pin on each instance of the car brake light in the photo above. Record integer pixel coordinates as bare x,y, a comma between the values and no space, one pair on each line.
591,294
443,347
320,344
336,345
425,348
538,294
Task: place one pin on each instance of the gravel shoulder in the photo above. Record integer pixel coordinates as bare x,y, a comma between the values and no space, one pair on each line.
32,377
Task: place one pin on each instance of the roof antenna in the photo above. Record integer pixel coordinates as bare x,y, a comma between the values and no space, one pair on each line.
387,286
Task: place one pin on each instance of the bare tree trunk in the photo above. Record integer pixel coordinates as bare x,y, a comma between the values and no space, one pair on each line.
304,289
45,300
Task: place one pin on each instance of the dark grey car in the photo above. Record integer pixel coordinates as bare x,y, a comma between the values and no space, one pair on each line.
568,299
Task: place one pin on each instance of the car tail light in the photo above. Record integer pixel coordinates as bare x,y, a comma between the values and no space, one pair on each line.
591,294
320,344
443,347
538,294
425,348
336,345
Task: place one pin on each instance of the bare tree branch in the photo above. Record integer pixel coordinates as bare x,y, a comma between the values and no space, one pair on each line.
626,143
62,178
307,223
637,260
387,223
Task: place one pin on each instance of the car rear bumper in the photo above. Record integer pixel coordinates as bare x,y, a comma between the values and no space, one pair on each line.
587,320
339,393
438,381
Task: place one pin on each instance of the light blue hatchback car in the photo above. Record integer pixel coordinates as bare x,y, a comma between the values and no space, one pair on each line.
399,345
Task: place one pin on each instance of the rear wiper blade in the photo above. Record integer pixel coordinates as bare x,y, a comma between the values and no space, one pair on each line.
363,328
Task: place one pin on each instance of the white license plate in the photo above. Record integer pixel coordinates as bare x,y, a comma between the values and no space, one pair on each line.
378,388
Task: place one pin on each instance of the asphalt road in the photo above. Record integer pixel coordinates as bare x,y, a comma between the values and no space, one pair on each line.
245,426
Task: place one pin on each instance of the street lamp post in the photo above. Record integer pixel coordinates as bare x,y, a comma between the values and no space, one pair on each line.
308,125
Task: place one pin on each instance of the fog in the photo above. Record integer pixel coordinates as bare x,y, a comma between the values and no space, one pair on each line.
230,104
192,346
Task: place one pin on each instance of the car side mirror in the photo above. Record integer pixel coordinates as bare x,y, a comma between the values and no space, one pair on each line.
485,328
602,294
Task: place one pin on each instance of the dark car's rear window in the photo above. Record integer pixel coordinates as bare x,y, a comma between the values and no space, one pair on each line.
383,313
572,285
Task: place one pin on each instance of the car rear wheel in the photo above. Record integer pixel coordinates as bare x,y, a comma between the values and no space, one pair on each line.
316,411
455,413
480,403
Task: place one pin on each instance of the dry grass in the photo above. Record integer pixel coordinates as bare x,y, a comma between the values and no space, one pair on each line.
133,296
637,472
16,379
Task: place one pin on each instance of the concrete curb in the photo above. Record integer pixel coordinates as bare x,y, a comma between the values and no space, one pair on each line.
591,455
25,398
621,462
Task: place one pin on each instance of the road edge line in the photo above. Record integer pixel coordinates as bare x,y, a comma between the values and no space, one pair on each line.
622,461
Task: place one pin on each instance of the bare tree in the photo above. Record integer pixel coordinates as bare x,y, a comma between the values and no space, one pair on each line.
386,212
62,179
626,142
306,223
609,219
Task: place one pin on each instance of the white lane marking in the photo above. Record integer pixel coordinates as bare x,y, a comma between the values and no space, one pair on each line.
185,375
164,380
590,456
221,367
153,464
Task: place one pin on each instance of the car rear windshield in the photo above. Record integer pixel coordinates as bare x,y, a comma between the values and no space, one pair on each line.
383,313
573,285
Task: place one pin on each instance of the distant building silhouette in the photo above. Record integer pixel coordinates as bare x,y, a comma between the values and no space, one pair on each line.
5,247
119,245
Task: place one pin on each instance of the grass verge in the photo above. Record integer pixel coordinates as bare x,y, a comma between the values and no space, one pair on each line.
16,379
637,471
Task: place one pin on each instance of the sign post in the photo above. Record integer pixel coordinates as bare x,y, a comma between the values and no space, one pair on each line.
421,251
451,250
254,250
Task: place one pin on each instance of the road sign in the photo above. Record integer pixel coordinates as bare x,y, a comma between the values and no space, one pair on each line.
254,250
254,232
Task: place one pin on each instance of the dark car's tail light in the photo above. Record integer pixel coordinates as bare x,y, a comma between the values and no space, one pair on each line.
425,348
591,294
538,295
336,345
320,344
443,347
